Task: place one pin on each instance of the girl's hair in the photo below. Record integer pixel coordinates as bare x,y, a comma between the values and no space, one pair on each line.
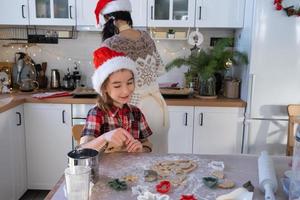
104,101
110,29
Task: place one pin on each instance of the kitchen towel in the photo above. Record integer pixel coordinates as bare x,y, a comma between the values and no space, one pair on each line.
51,95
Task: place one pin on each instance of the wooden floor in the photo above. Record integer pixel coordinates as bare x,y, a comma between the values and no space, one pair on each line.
34,195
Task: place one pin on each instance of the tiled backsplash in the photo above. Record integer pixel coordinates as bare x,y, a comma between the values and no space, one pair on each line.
63,55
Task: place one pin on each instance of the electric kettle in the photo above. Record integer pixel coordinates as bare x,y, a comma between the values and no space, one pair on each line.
55,79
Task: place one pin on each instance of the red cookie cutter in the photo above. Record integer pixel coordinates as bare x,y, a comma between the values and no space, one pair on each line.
163,187
188,197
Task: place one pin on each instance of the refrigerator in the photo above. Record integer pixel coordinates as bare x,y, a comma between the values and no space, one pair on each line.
271,80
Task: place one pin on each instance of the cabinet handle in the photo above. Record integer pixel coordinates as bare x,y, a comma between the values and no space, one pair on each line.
70,7
200,8
151,12
186,118
20,119
201,119
23,11
63,117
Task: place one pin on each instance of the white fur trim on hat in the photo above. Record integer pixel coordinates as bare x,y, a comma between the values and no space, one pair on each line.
117,5
110,66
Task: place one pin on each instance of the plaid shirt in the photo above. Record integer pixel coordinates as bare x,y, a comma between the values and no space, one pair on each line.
129,117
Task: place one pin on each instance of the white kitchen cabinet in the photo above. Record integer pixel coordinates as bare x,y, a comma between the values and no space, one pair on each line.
14,12
180,136
48,140
6,157
52,12
139,13
205,130
13,177
220,14
218,130
18,149
86,19
171,13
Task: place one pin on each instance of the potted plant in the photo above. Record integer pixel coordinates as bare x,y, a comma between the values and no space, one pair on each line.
204,64
171,34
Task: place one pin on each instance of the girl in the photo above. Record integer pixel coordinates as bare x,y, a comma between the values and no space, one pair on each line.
119,35
113,120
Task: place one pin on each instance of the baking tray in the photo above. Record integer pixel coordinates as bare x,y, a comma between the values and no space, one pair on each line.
83,92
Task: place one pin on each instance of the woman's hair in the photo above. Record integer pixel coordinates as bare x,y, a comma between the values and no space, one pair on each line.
104,101
110,29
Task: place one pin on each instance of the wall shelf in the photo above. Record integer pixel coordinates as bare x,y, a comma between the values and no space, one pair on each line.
162,33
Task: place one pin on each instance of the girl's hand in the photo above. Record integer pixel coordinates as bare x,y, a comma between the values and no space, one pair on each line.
118,136
134,146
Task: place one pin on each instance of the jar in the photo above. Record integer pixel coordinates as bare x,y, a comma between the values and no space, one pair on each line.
207,87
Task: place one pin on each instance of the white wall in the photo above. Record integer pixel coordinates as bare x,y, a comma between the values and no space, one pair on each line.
68,51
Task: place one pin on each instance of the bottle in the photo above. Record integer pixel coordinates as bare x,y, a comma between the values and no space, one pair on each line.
191,90
294,189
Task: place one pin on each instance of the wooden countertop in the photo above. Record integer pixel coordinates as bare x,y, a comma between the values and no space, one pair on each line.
22,97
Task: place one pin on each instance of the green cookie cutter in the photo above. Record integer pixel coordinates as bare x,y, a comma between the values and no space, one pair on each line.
118,185
210,181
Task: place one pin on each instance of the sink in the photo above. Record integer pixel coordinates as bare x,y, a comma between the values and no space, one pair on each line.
5,100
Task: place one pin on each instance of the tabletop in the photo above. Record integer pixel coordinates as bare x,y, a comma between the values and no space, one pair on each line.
240,168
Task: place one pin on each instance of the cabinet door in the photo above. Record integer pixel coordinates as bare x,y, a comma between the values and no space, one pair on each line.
218,130
85,16
139,13
6,157
18,149
14,12
171,13
86,19
180,136
48,140
223,14
52,12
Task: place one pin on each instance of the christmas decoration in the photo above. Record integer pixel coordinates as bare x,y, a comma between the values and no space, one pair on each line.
290,10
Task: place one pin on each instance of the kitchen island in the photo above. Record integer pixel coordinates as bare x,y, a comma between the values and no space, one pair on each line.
239,168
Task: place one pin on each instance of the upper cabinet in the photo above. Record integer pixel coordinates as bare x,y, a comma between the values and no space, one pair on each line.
52,12
139,13
86,19
171,13
14,12
220,14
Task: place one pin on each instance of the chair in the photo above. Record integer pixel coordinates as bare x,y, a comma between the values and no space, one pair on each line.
294,119
76,132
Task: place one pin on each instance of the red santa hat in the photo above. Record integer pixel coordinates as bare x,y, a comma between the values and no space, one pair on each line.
108,61
108,6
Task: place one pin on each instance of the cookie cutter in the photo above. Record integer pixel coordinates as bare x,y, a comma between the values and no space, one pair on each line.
216,165
188,197
163,187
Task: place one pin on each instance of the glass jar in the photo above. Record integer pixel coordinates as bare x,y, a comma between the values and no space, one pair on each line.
207,87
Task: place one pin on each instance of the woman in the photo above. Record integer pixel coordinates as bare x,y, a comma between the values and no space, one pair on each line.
119,35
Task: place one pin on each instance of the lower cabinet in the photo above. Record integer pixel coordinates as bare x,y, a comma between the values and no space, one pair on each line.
205,130
48,140
180,137
13,175
218,130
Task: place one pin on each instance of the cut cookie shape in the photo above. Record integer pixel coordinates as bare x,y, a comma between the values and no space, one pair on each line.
226,184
